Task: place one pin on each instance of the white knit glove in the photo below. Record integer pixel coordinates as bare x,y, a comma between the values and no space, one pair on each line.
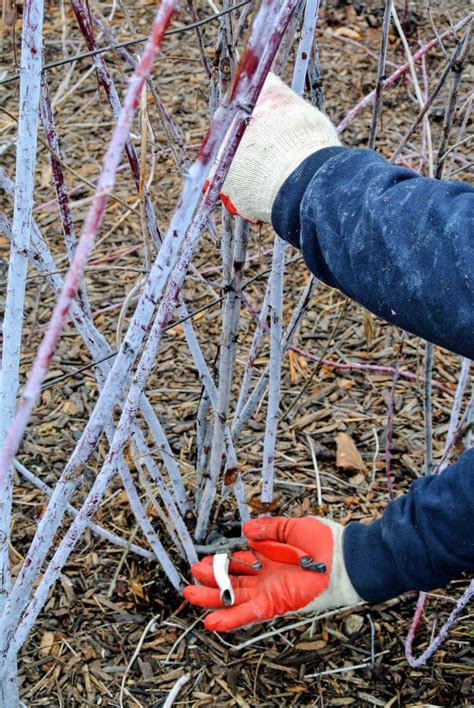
282,131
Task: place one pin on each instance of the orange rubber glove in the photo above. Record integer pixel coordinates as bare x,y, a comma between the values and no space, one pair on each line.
277,588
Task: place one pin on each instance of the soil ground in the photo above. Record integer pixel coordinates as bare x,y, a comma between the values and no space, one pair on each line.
102,610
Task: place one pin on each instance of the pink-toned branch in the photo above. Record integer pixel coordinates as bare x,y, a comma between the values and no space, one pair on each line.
369,98
442,634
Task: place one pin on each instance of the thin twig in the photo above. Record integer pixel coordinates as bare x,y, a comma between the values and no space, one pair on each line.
173,694
427,408
132,42
429,102
390,412
379,84
458,67
368,99
95,528
134,656
416,86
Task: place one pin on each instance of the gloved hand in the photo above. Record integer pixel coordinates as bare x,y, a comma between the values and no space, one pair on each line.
282,131
277,588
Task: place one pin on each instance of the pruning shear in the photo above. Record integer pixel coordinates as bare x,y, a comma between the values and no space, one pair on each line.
284,553
280,552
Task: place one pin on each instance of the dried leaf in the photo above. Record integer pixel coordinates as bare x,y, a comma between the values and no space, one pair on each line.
346,384
347,455
260,507
347,32
293,374
137,589
298,366
47,644
230,476
128,454
357,479
121,498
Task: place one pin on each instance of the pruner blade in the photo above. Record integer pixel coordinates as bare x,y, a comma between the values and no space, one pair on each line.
220,568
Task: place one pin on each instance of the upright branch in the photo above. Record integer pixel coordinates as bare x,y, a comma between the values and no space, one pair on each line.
83,18
305,44
250,364
316,92
276,280
30,71
390,412
274,374
267,30
427,407
59,182
228,348
200,43
429,101
380,73
259,389
449,114
86,241
416,86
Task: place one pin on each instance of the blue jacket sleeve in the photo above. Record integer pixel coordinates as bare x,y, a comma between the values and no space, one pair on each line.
399,244
423,540
402,246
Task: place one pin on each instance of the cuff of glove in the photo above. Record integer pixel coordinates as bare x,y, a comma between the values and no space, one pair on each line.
340,591
286,207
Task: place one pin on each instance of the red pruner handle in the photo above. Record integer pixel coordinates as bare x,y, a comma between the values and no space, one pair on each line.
280,552
284,553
